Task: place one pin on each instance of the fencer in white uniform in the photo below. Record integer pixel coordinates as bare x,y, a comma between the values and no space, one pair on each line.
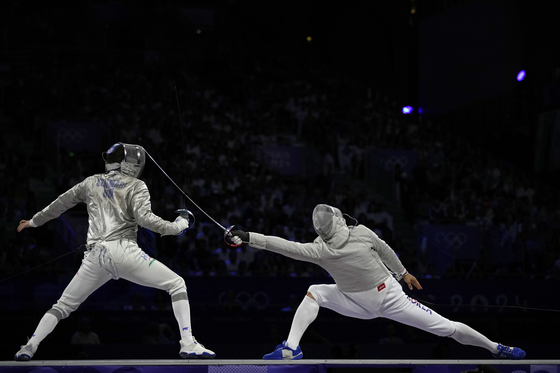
357,259
117,203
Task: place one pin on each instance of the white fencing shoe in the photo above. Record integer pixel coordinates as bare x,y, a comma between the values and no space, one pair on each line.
25,353
195,350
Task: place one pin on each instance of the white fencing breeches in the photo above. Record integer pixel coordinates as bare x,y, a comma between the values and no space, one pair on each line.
129,262
387,301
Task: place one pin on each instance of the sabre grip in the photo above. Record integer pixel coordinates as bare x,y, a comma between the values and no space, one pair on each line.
244,236
186,214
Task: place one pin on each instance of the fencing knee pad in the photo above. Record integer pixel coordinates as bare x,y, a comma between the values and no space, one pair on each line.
177,286
63,309
56,313
316,291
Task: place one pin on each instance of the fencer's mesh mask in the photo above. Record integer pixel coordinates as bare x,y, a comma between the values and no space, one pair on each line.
132,162
324,220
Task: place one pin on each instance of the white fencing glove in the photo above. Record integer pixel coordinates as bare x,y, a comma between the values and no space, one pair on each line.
185,215
183,224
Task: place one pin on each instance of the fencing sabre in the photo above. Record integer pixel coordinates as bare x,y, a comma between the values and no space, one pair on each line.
188,215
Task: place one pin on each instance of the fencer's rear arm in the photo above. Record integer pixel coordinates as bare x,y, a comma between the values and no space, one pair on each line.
64,202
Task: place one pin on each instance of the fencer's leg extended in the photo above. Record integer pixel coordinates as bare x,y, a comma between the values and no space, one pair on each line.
406,310
46,326
149,272
400,307
182,312
88,279
466,335
328,296
156,275
305,314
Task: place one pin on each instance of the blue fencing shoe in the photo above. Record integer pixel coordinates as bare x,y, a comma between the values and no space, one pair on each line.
283,352
513,353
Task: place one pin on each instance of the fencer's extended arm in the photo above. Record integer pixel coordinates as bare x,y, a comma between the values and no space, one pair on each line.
309,252
147,219
64,202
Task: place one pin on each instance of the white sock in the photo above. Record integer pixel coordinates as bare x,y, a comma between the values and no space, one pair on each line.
182,311
305,315
45,327
466,335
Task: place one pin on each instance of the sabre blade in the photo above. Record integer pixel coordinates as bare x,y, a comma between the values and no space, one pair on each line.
185,194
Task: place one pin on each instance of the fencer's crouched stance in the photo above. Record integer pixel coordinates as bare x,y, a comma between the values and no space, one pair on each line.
117,203
357,259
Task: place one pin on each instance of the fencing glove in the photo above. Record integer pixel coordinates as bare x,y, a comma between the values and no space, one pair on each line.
183,224
239,237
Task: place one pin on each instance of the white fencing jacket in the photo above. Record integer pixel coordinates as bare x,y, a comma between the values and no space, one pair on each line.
355,257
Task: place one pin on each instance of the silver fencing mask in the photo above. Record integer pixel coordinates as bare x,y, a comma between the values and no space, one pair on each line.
129,158
324,220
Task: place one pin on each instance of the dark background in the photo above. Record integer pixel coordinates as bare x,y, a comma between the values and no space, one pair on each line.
111,69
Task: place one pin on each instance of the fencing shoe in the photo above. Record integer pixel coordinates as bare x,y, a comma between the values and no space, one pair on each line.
513,353
25,353
195,350
283,352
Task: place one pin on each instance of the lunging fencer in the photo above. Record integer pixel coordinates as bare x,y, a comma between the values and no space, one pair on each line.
357,259
117,203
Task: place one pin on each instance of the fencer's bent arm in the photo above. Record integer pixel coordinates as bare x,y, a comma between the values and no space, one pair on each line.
146,218
309,252
65,201
387,255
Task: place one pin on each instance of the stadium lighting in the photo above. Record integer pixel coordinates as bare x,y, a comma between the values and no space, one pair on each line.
407,109
521,75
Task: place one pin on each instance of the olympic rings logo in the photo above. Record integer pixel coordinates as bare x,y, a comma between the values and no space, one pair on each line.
451,240
72,135
392,161
245,300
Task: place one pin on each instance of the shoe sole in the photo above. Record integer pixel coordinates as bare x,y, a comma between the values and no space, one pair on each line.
203,356
22,358
297,357
512,357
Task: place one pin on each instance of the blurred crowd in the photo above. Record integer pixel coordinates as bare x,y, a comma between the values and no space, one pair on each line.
207,131
457,184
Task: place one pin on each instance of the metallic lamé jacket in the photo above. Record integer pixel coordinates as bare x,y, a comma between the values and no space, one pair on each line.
116,203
